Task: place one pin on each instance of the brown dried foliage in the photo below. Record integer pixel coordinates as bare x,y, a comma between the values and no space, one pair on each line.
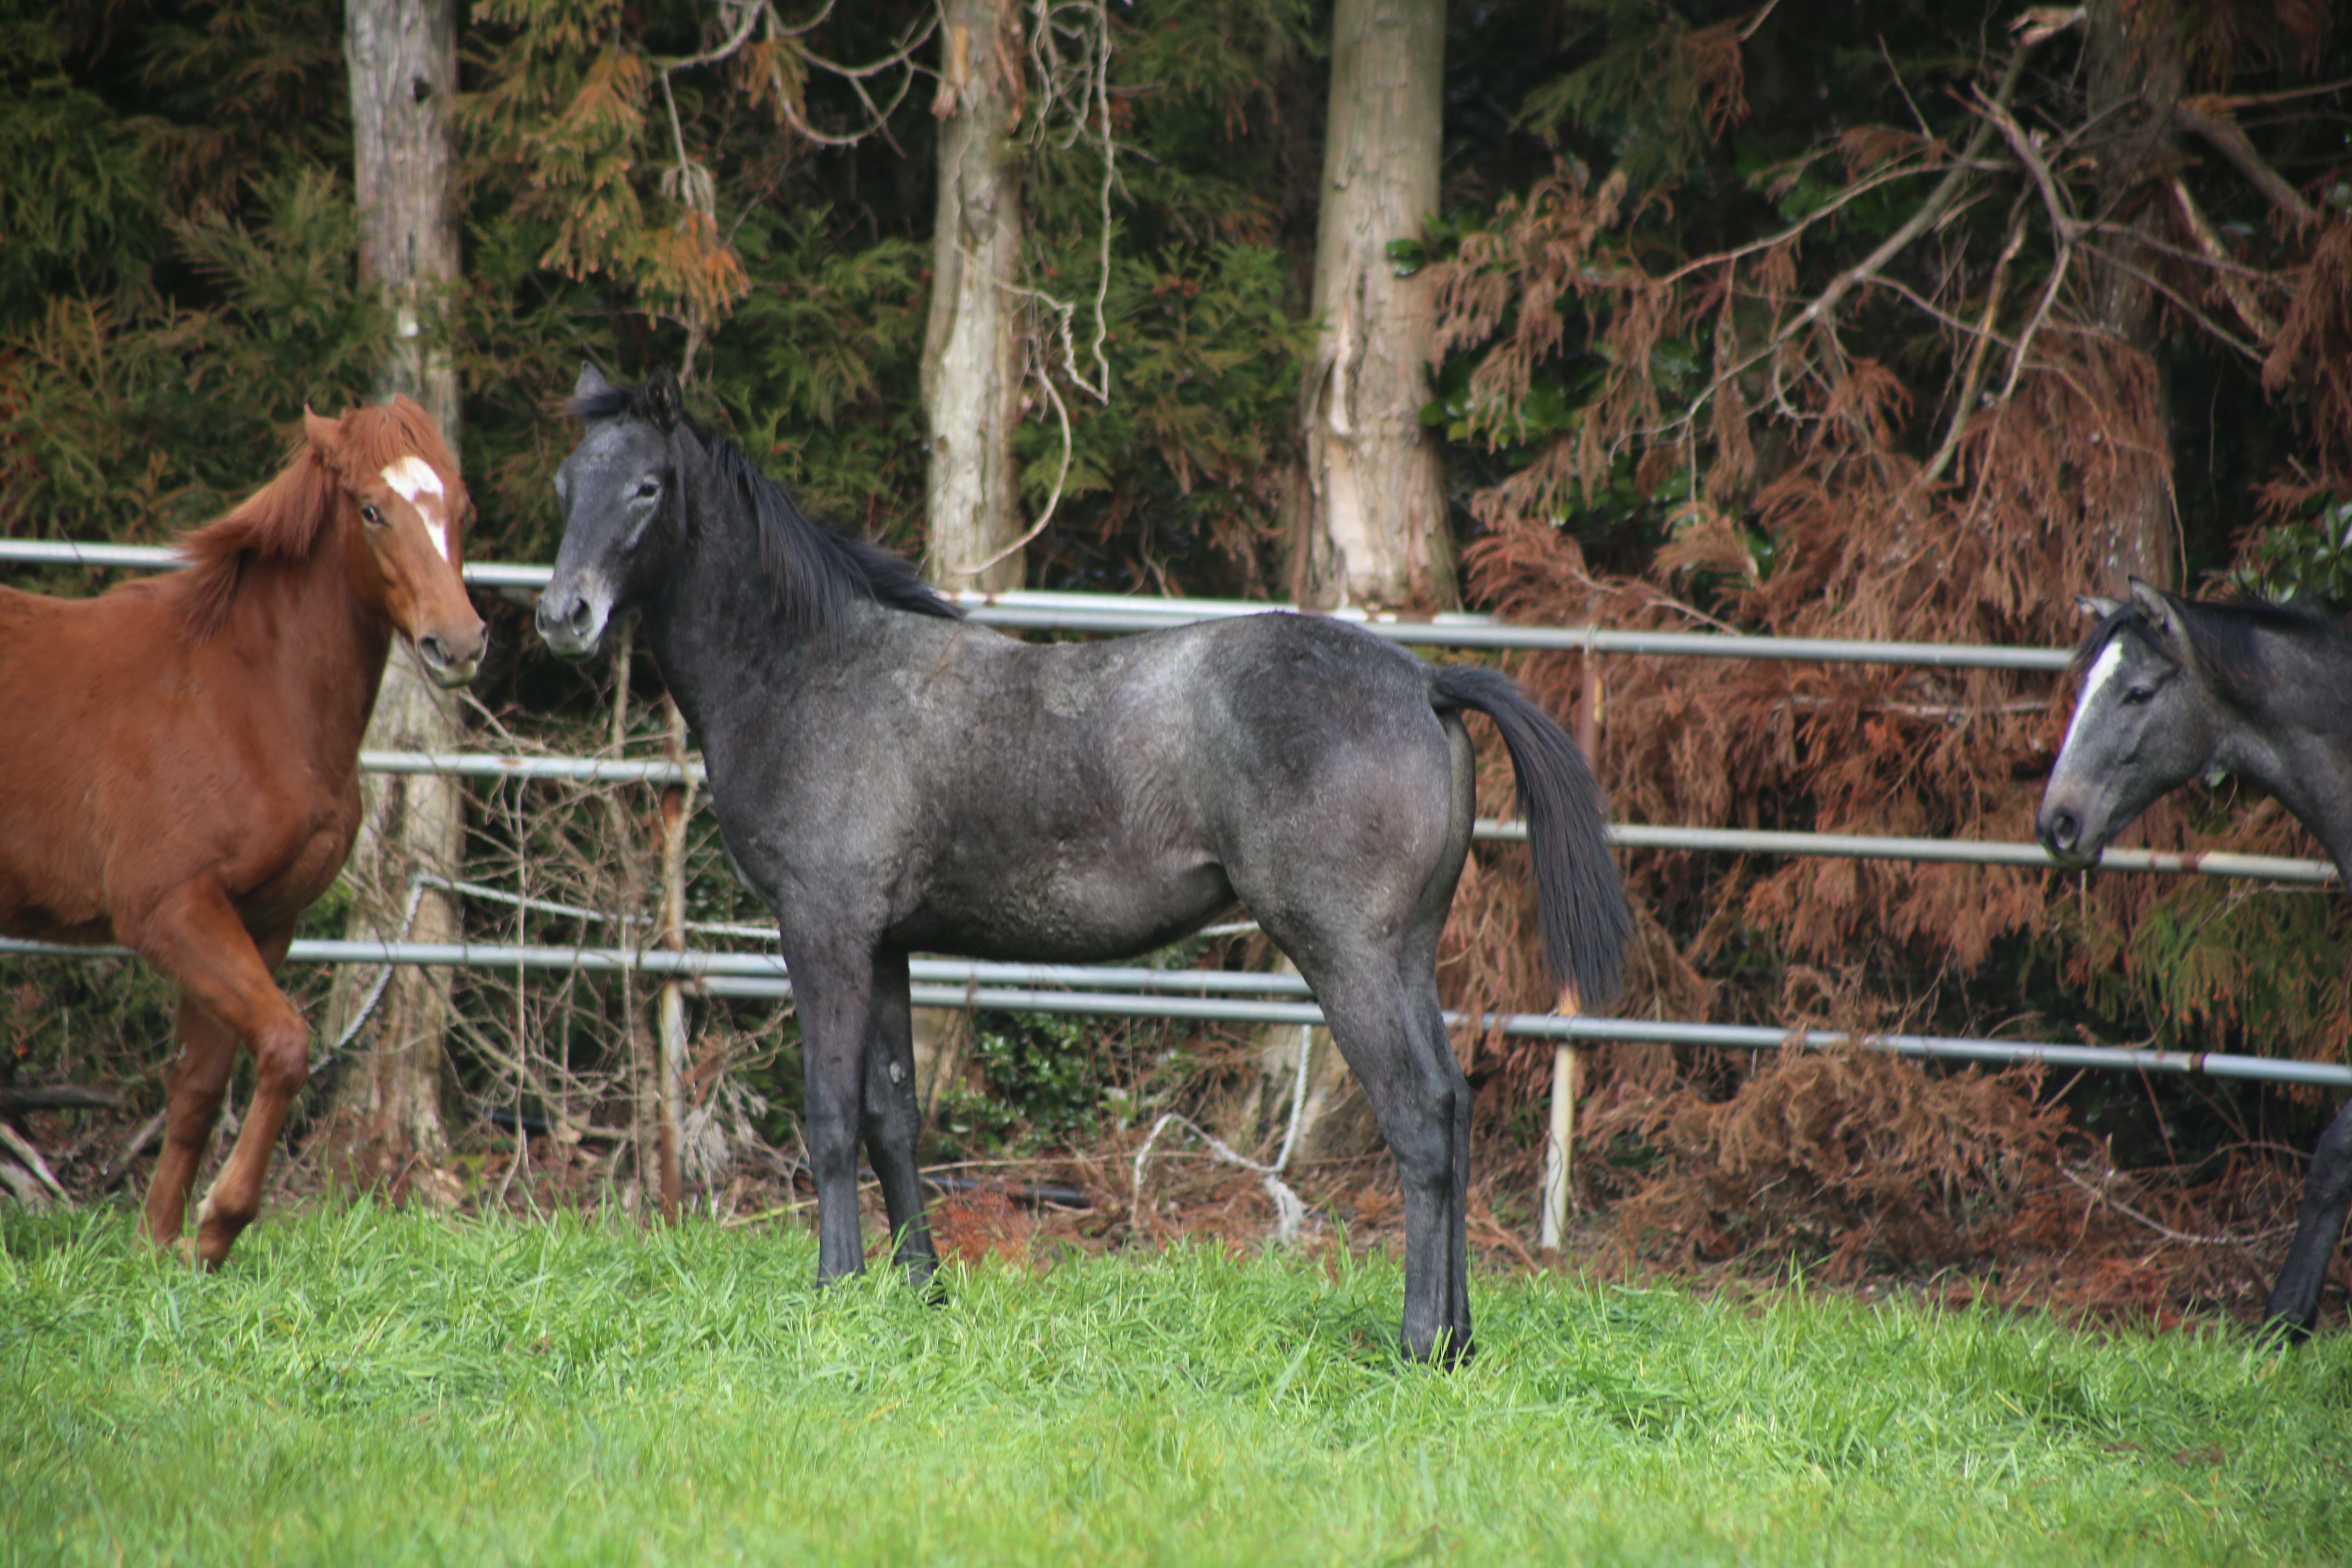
1851,1157
2045,428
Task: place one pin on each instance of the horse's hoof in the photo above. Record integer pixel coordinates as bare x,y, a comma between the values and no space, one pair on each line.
1445,1351
2283,1333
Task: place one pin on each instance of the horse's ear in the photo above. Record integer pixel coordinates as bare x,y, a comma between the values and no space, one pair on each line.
2164,617
663,397
2096,606
591,382
327,434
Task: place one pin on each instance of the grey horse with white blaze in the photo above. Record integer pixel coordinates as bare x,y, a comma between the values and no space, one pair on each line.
893,779
2175,689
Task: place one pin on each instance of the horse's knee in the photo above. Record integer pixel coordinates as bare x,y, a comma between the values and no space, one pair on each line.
281,1056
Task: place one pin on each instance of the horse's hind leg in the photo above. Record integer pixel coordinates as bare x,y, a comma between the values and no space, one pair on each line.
1387,1024
2326,1194
196,938
894,1120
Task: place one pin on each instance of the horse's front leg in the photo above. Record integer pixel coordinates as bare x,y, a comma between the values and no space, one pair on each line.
834,991
191,1105
894,1120
227,993
2318,1229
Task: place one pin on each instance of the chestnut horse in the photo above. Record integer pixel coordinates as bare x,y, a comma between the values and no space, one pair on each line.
178,758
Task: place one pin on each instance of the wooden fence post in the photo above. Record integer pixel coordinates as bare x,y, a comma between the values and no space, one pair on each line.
676,800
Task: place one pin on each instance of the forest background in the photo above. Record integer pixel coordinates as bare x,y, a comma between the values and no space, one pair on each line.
1912,320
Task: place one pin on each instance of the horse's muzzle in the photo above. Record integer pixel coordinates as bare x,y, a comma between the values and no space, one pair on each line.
451,656
450,668
2061,832
568,622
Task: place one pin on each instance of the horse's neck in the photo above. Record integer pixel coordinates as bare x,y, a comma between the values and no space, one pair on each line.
2299,744
716,631
297,625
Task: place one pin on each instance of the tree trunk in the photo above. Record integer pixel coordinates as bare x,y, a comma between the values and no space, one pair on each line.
2134,78
386,1113
971,353
1375,530
971,360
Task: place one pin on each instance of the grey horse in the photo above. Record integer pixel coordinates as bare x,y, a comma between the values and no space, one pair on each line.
2174,689
891,778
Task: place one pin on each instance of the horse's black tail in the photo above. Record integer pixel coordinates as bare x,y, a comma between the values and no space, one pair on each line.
1579,898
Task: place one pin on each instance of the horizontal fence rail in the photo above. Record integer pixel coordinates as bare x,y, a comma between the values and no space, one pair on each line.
1036,611
1184,994
1622,834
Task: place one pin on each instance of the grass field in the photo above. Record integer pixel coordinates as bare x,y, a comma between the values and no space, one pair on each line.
364,1386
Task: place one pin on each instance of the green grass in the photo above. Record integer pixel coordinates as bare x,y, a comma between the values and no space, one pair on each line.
364,1387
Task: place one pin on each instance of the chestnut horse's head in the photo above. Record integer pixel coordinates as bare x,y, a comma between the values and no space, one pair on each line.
403,512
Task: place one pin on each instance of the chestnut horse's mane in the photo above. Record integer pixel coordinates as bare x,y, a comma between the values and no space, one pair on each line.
287,516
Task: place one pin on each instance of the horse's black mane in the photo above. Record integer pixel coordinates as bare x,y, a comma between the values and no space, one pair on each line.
2222,634
815,570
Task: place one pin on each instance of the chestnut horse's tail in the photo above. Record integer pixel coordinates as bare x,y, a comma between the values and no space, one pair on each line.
1579,897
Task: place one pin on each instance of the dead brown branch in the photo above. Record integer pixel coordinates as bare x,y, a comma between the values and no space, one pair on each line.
2222,133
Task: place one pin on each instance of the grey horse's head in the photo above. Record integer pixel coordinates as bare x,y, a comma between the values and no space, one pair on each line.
2145,721
620,494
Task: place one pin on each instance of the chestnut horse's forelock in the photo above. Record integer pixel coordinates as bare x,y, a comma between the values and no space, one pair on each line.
286,517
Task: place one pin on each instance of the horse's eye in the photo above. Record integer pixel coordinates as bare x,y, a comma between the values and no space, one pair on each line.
2140,694
648,487
370,516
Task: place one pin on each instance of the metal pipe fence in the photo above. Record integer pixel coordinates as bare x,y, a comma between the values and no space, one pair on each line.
1103,990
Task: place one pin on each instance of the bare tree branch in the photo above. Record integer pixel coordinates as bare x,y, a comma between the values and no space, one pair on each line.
1973,378
2250,350
2224,137
2233,282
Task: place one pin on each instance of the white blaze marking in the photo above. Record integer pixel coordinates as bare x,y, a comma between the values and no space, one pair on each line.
2111,659
414,478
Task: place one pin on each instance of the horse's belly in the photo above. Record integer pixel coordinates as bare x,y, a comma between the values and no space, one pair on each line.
49,890
1068,914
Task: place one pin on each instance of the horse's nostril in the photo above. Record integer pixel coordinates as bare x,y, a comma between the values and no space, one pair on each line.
436,651
580,617
2062,830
